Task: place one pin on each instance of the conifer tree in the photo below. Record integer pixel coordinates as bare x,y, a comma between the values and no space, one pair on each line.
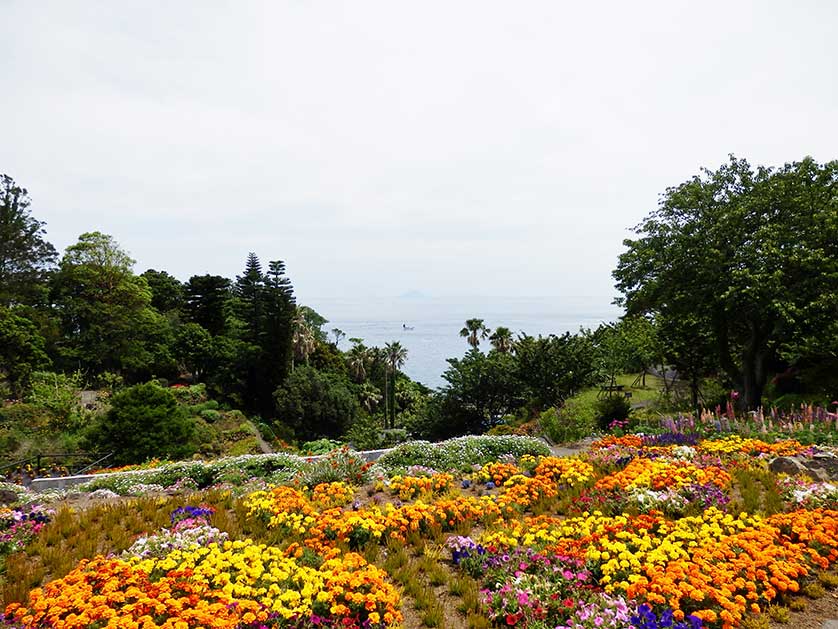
25,257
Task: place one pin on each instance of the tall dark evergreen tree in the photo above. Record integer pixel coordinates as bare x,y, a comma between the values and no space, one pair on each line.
277,309
25,257
249,289
167,293
206,302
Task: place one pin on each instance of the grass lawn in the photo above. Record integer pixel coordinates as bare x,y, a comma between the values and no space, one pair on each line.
584,402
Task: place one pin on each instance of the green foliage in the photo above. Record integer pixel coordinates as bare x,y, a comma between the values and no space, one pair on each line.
481,389
193,349
563,425
337,465
315,404
144,422
191,395
25,257
365,433
553,368
61,395
740,266
108,323
628,346
474,331
394,356
21,350
314,320
206,299
327,357
779,614
319,446
25,419
167,292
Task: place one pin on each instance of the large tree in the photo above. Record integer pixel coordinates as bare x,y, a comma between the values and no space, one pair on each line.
108,323
249,291
25,257
480,390
315,404
276,312
552,368
207,297
21,350
167,294
748,256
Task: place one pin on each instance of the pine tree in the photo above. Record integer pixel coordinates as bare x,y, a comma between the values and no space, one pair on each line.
248,290
25,257
206,301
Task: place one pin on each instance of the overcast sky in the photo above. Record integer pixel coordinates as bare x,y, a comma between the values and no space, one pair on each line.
452,148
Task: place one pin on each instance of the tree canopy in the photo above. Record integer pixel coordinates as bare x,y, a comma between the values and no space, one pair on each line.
25,256
748,257
108,323
21,350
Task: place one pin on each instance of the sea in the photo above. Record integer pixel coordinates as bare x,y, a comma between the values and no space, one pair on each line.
429,327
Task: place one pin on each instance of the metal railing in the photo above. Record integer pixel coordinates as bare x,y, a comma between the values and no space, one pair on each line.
24,470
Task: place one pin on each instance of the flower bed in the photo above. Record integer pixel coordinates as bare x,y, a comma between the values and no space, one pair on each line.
634,533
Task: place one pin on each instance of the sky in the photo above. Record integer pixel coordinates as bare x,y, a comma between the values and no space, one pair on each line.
384,147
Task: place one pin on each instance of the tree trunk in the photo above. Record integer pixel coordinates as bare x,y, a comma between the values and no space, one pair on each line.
694,382
393,401
753,371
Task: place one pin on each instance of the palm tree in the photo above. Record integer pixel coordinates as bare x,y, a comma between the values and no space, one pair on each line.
303,341
501,340
370,397
395,356
474,331
356,360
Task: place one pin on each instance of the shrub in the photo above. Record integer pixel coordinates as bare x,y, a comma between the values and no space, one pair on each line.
365,433
144,422
210,415
562,426
315,404
610,408
319,446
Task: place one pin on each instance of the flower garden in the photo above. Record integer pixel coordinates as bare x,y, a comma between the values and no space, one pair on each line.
649,532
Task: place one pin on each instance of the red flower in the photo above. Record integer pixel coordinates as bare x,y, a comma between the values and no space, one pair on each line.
568,602
511,619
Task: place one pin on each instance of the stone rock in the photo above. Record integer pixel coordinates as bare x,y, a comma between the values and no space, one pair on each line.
819,468
830,624
7,497
787,465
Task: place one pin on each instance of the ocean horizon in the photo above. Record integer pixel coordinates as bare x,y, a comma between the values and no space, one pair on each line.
429,327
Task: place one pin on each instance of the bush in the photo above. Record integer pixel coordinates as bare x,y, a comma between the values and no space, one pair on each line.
144,422
319,446
315,404
611,408
190,395
365,433
563,425
210,415
26,418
